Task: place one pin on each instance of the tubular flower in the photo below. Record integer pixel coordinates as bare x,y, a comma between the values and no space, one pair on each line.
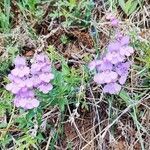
24,80
21,85
113,68
41,70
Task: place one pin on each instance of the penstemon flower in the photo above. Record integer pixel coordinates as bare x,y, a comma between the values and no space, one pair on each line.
24,80
113,68
41,71
21,85
26,100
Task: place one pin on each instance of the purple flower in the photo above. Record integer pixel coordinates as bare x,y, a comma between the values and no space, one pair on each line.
46,68
93,64
125,40
26,93
114,46
105,77
35,79
41,70
46,77
112,88
29,83
42,57
13,88
126,51
24,80
26,103
113,68
35,68
105,65
114,57
45,88
20,61
122,69
123,79
32,103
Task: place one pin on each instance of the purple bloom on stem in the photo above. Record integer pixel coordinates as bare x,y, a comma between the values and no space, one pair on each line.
36,81
105,65
29,83
31,103
23,80
42,75
16,101
112,71
114,57
46,68
20,72
20,61
93,64
105,77
126,51
35,68
24,89
34,103
15,89
112,88
123,79
114,46
125,40
45,88
15,71
26,94
46,77
24,71
122,69
41,58
26,103
9,86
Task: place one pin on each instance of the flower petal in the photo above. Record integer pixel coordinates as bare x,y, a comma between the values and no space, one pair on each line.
15,72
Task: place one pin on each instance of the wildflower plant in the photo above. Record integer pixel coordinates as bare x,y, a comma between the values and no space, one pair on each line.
41,73
112,68
25,79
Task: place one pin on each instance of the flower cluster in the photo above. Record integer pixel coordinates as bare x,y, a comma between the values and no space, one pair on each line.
113,68
24,80
41,71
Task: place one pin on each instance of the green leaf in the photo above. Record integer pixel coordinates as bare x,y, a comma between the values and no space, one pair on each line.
133,7
128,7
65,69
122,4
62,103
128,4
124,95
72,2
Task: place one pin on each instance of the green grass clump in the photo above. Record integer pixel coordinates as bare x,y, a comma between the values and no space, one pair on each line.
74,12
